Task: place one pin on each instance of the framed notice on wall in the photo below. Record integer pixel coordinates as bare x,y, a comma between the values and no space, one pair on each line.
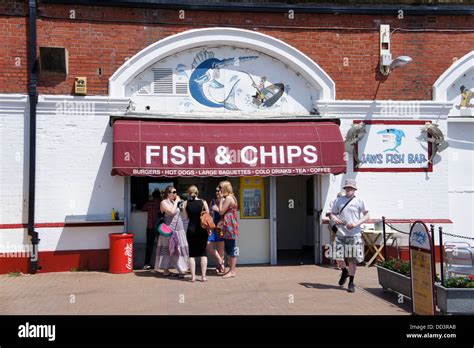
393,146
251,197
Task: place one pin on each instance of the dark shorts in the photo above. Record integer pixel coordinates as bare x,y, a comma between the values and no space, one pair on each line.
230,248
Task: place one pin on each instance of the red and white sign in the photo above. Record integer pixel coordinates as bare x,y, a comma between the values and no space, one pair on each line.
128,252
150,148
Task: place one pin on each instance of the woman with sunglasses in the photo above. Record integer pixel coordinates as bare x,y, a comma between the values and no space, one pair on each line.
215,246
179,257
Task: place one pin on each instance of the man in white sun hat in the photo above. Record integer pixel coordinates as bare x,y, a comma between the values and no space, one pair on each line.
348,213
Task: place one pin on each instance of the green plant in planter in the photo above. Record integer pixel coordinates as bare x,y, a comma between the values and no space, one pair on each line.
397,265
459,282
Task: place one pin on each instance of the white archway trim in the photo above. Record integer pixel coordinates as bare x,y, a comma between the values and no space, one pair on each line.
174,44
456,70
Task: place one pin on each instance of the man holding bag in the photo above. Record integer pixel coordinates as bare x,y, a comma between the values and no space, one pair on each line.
348,213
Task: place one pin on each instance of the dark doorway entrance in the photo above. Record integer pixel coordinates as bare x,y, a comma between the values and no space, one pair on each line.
295,230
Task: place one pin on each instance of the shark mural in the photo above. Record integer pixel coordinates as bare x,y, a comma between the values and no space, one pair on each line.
397,133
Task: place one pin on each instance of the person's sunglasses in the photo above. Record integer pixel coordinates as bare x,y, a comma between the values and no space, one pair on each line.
173,192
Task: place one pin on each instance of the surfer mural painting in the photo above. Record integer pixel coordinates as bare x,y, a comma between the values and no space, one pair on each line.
212,86
267,96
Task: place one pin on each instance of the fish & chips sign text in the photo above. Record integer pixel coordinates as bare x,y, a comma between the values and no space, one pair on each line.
250,155
219,160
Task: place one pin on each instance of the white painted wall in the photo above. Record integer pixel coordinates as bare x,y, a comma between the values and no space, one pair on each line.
461,181
14,125
13,240
460,137
74,162
14,118
76,238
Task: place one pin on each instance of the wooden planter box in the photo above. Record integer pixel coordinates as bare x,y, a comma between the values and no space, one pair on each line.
395,281
455,300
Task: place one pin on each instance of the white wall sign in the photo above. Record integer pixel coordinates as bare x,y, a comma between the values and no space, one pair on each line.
393,146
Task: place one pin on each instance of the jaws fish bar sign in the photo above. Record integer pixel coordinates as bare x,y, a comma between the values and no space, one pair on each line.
393,146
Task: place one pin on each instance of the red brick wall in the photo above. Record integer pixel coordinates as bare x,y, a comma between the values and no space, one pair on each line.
103,37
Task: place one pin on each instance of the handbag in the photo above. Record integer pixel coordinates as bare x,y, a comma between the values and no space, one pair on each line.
165,230
220,227
162,228
207,222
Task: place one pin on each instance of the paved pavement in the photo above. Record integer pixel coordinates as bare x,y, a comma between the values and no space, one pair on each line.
305,289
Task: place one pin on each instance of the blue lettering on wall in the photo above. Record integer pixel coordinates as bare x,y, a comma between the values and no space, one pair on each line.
416,158
394,158
372,158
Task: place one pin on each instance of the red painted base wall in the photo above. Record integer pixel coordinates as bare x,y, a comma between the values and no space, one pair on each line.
403,252
60,261
98,260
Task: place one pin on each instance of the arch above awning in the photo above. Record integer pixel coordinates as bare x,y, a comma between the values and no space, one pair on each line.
241,38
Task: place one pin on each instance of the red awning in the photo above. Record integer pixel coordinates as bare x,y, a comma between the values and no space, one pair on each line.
160,148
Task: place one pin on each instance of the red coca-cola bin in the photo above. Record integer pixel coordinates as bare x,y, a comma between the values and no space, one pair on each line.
121,253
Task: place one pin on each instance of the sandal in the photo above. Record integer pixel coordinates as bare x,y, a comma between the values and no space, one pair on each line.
220,268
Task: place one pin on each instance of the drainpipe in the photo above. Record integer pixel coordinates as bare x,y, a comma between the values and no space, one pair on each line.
33,99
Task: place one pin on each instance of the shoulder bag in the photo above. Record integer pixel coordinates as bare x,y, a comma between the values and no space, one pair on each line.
334,227
207,222
162,228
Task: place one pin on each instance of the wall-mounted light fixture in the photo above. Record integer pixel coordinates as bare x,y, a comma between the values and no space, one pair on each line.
387,64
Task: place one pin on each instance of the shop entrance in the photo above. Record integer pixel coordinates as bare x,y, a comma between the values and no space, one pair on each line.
295,227
141,189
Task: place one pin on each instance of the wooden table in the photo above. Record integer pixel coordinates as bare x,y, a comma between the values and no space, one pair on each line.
370,238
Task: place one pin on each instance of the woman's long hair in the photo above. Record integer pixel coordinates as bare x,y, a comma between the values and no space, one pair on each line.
167,191
226,188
